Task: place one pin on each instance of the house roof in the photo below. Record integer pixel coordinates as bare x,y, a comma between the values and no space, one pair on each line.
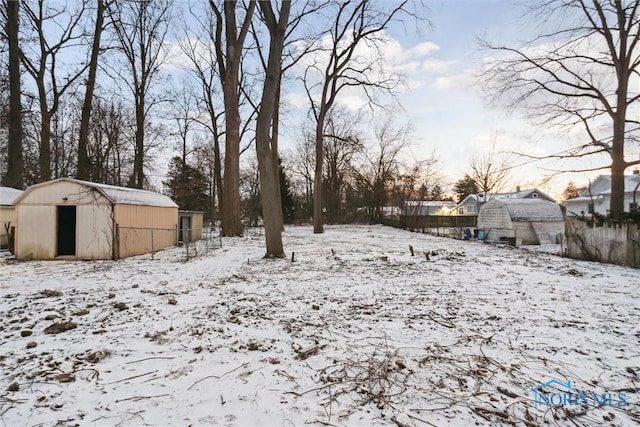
519,195
531,209
602,185
436,203
117,195
8,195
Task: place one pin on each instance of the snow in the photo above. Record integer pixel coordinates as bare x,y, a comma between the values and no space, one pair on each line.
121,195
532,210
354,332
8,195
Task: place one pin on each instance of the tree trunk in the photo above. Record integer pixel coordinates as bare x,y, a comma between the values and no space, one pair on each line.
274,146
217,165
231,214
317,180
44,156
267,154
84,164
618,163
138,161
15,160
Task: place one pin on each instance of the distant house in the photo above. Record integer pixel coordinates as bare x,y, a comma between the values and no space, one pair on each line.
427,207
470,205
8,196
71,219
597,198
467,207
530,221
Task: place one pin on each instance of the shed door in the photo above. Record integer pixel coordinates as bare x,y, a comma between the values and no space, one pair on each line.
66,230
185,229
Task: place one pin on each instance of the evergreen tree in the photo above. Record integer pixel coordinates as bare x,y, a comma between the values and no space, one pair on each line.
465,186
286,196
572,191
187,186
437,193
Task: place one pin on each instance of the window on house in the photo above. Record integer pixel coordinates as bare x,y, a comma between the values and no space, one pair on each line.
471,209
590,207
460,210
633,206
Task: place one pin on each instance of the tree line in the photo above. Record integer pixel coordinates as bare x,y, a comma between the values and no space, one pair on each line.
99,89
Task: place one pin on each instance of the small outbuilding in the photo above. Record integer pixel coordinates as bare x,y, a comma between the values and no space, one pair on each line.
529,221
8,196
72,219
190,225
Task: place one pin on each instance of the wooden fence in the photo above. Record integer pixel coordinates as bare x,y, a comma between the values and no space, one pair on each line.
415,222
612,243
423,223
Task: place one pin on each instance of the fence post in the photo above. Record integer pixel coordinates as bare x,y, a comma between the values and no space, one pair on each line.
116,243
152,250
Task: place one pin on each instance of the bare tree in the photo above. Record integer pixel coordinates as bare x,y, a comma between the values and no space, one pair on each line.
14,176
265,129
109,148
140,28
291,56
419,180
490,171
578,73
228,60
40,60
84,165
204,67
379,165
355,24
341,145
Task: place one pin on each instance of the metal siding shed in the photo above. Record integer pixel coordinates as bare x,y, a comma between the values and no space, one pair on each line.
86,219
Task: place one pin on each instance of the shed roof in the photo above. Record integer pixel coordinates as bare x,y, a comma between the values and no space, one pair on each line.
118,195
532,210
8,195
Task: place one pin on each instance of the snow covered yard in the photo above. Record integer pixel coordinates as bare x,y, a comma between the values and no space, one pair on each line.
356,331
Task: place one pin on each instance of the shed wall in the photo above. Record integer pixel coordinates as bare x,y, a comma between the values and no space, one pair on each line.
198,218
37,211
37,238
495,220
522,230
144,229
7,216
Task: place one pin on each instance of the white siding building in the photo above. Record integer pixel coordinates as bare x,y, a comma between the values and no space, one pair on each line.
597,198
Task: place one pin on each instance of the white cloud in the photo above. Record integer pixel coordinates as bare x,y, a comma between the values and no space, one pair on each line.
436,66
423,49
464,81
296,99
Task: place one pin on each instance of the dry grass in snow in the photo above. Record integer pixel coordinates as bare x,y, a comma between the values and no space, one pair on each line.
356,331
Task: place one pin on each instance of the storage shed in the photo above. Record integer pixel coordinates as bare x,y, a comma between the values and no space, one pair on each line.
190,225
72,219
8,196
530,221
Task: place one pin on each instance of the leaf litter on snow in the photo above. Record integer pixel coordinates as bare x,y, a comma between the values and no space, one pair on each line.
355,331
